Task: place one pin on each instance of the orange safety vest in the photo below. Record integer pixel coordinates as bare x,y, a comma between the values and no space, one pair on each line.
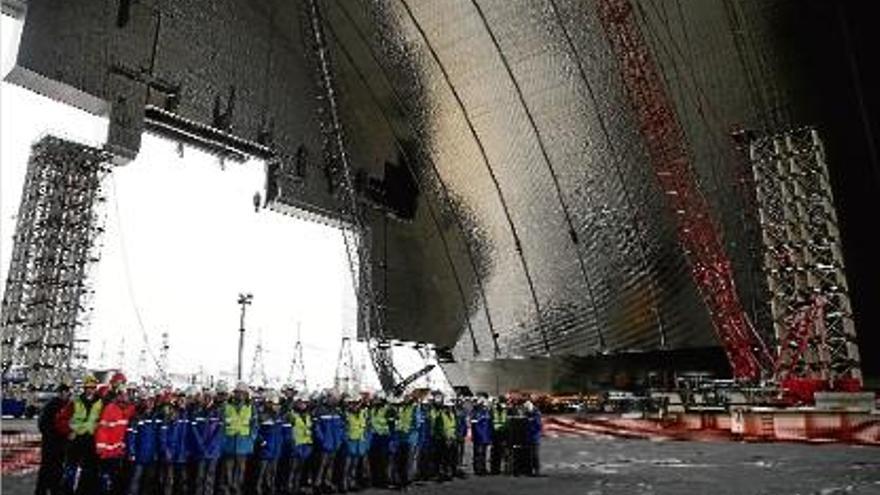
110,433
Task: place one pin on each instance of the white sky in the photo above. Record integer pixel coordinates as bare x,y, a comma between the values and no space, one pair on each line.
182,241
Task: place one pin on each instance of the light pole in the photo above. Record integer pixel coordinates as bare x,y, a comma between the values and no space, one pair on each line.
244,300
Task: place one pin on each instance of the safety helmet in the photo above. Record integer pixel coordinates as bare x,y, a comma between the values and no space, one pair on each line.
102,390
90,381
242,387
192,391
117,380
222,387
271,396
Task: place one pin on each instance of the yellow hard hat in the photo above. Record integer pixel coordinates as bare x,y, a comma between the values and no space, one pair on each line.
90,381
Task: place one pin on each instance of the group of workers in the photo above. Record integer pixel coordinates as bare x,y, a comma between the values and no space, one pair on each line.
119,439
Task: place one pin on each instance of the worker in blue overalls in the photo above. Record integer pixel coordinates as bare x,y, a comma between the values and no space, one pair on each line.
481,435
329,430
268,443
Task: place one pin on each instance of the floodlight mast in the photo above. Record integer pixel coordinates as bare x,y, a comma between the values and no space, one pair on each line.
244,300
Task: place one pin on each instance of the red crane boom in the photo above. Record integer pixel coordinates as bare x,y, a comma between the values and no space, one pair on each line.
667,150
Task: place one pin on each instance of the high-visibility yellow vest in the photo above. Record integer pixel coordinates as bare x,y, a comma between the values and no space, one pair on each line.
499,418
405,421
357,424
84,422
447,424
302,428
380,420
238,420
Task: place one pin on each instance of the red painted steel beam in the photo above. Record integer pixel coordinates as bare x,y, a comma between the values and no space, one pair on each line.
667,150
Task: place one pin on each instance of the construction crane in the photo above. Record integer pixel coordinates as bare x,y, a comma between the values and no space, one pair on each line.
815,349
400,387
698,234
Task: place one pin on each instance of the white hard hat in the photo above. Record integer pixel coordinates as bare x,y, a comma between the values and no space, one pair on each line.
273,397
222,387
242,387
529,406
192,391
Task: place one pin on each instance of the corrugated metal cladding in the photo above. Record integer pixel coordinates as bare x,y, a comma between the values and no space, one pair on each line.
539,226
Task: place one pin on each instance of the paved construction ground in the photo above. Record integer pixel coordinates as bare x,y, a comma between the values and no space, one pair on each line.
592,466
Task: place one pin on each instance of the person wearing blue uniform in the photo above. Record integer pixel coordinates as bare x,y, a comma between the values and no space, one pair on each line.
268,444
206,437
300,443
427,465
239,432
173,446
481,435
142,445
329,430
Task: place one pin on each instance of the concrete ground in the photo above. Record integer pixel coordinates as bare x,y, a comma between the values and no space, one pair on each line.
593,466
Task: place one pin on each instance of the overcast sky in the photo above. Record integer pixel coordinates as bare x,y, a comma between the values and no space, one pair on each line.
182,241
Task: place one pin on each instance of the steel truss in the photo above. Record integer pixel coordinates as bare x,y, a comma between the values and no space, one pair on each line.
357,240
47,295
803,262
668,154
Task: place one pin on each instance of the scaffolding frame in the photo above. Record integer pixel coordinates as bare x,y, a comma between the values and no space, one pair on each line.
803,261
45,307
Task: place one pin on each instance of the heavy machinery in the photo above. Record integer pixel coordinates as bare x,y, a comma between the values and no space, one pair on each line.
799,334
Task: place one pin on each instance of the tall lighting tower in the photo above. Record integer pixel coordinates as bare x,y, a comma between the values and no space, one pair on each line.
244,300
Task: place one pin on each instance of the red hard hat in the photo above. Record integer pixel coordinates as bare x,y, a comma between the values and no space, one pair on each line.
102,390
117,379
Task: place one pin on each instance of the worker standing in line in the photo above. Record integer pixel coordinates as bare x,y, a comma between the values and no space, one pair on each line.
269,439
328,434
533,439
301,444
444,433
499,435
52,443
238,439
422,444
173,438
110,434
461,430
407,435
282,470
356,425
381,442
142,444
481,435
206,437
81,475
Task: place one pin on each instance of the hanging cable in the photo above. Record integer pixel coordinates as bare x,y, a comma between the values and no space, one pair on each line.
128,282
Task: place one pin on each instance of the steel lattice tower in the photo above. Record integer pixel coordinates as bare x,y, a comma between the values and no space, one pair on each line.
803,261
297,375
258,368
346,374
46,298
